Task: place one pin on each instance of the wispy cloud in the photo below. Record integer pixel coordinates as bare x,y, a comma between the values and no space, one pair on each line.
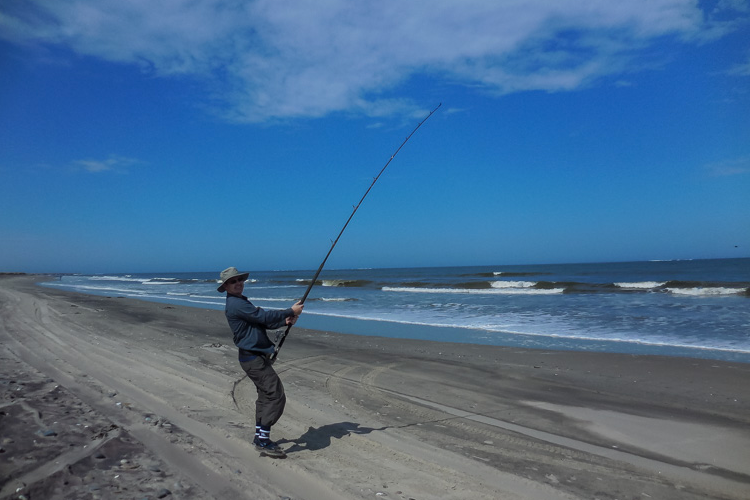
741,69
731,167
113,163
732,5
266,59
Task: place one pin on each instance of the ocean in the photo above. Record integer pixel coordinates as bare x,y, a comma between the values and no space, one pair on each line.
692,308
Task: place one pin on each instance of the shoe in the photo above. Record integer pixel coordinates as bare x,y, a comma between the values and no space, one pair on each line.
268,448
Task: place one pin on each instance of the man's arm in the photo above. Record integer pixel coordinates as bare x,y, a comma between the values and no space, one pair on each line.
271,319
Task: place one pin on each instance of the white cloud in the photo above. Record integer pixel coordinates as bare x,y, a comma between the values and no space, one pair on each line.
741,69
735,5
267,59
731,167
113,163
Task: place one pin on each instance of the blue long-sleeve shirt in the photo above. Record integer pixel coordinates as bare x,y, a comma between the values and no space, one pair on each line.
249,324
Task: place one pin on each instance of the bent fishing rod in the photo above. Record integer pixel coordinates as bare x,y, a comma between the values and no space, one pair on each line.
320,268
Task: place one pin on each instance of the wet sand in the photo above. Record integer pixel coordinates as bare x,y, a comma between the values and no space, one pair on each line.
107,397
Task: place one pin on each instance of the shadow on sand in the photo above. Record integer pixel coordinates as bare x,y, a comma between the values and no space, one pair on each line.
317,439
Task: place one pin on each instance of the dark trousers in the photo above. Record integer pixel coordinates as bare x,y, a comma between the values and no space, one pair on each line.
271,398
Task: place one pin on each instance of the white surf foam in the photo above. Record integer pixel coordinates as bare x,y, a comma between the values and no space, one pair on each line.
641,285
703,291
512,284
472,291
115,278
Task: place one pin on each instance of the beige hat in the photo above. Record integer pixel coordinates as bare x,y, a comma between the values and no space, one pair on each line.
228,274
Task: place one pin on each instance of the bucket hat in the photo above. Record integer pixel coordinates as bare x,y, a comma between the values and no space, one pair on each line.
228,274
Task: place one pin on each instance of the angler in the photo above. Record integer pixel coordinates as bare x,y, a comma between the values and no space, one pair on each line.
249,324
257,353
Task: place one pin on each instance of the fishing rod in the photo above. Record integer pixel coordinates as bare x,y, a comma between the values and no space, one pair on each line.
320,268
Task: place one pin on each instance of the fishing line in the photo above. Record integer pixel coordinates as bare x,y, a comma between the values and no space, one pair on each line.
320,268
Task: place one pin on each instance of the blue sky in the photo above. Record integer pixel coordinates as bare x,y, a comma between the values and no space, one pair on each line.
192,135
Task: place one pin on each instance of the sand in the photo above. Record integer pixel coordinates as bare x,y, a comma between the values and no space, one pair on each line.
107,397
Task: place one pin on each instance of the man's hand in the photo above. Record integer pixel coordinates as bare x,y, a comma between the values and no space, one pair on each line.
297,308
291,320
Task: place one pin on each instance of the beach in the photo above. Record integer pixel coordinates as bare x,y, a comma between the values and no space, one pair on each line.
109,397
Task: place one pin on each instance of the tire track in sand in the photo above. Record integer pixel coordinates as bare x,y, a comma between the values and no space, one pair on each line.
61,347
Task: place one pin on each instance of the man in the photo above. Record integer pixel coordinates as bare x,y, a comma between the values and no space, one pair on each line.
249,324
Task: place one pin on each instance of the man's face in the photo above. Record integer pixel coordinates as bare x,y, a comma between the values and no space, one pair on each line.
235,285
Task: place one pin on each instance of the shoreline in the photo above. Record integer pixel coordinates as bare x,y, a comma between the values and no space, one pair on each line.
529,341
366,414
441,333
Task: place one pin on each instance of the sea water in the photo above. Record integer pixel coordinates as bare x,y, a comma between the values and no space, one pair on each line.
696,308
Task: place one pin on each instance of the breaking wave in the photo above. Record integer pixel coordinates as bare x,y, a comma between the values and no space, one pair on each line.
641,285
700,291
496,291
